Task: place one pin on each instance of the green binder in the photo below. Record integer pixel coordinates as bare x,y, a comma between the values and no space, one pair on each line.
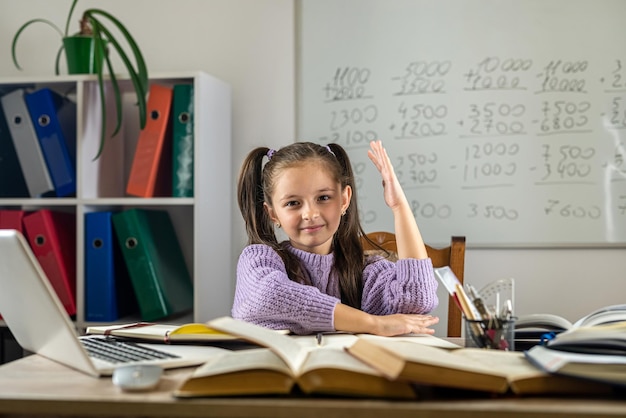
182,141
155,262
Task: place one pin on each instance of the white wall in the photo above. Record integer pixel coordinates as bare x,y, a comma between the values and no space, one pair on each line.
250,44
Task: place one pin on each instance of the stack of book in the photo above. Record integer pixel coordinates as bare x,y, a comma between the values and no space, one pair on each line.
356,365
593,348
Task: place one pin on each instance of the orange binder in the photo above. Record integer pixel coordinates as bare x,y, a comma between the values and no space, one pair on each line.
151,170
52,237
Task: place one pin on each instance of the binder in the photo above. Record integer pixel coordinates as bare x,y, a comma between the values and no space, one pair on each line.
151,169
182,140
54,119
155,262
26,144
12,183
109,294
12,219
52,237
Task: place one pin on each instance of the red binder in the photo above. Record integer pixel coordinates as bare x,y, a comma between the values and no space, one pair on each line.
12,219
52,237
151,170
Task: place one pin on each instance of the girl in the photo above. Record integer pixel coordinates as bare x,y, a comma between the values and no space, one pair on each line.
319,280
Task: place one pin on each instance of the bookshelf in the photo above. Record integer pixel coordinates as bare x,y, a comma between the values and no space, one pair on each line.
101,182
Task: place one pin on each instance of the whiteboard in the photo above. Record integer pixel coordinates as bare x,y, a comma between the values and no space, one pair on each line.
504,119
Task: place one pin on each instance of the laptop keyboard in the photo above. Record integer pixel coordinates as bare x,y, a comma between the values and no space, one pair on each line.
116,351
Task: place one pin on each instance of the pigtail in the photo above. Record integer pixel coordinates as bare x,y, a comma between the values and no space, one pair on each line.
250,198
349,260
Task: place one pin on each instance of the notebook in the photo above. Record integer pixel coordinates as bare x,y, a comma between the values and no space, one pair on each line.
37,319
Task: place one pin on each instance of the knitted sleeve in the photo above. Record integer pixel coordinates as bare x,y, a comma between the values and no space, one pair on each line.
407,286
265,295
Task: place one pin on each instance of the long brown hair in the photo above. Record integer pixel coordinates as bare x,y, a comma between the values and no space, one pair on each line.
255,186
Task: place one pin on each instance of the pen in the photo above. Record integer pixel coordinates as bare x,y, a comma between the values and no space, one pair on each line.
478,302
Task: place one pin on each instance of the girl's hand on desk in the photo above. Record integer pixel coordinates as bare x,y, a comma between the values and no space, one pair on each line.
398,324
354,320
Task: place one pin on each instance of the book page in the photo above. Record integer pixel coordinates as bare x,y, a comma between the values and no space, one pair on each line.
423,339
423,354
235,361
134,330
334,357
287,348
513,364
607,314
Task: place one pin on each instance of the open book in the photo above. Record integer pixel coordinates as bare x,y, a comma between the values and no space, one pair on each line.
289,363
170,334
476,369
595,339
551,322
166,333
529,329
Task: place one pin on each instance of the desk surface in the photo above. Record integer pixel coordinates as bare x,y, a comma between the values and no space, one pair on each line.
37,387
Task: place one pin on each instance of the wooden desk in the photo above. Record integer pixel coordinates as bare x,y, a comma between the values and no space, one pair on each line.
36,387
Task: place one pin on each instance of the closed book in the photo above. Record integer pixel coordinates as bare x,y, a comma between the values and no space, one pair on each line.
585,366
12,183
109,295
26,144
52,237
54,119
151,168
182,140
155,262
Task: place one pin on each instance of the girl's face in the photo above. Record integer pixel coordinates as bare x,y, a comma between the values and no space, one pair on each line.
308,203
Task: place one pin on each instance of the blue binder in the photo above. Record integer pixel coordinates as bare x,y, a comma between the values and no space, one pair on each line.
109,294
26,144
54,119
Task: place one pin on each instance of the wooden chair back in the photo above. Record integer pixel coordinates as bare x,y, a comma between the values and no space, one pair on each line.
452,255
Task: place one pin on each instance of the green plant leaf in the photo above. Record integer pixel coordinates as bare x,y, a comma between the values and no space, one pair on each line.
69,17
139,77
99,50
21,29
57,61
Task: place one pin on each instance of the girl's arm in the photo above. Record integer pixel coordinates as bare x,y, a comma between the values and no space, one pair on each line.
408,237
353,320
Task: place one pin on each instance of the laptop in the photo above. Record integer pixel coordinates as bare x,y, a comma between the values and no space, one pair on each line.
40,324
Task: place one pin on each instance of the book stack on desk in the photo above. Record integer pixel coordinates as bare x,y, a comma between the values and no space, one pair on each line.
362,365
531,329
593,348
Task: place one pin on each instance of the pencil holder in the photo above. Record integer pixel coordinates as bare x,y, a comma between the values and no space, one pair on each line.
498,334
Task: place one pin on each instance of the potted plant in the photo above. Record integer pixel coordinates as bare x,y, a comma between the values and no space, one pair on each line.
87,51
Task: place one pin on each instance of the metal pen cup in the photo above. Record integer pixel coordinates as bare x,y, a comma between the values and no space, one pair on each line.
498,334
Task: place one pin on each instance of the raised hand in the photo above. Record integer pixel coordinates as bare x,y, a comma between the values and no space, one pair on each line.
394,196
408,238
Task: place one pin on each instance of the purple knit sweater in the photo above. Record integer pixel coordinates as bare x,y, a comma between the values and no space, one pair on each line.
265,296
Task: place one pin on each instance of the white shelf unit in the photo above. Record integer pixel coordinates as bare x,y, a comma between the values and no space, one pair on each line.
202,222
